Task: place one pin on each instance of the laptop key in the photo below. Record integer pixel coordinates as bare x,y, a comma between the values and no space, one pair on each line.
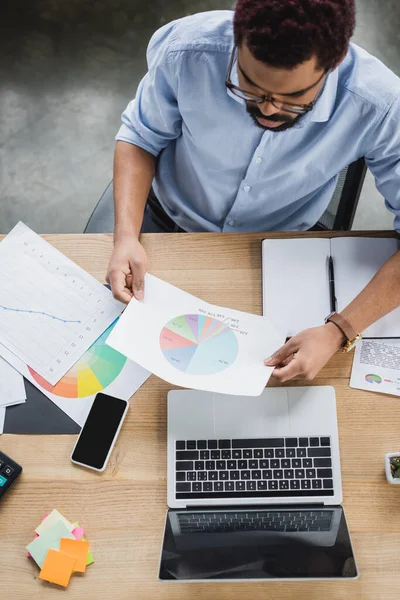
212,475
267,474
307,463
256,474
319,452
247,453
279,453
264,464
242,464
201,475
278,474
262,485
302,452
285,463
327,483
290,452
204,455
183,487
310,473
305,484
231,464
187,455
196,486
236,454
289,474
207,486
225,454
272,485
283,485
224,443
245,474
220,464
258,453
303,441
299,474
212,444
251,485
224,475
191,444
186,465
215,454
316,484
325,441
314,441
253,464
322,462
234,475
269,453
240,486
296,463
291,442
210,465
229,486
191,476
180,445
218,486
294,484
199,465
324,473
201,444
275,463
180,476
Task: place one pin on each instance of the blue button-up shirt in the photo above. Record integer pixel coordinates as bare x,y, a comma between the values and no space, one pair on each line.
217,171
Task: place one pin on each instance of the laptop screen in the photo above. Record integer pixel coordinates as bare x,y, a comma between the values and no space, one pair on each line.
264,543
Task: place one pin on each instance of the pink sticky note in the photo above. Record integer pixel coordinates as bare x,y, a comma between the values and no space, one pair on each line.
78,533
36,535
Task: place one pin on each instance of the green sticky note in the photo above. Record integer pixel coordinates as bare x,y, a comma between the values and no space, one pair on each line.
90,559
50,538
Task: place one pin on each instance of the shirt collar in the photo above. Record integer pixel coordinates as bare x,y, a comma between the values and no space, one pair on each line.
322,110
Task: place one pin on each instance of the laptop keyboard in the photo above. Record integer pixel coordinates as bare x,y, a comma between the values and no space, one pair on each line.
253,468
300,521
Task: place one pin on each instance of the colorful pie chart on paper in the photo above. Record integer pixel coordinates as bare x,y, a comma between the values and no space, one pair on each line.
373,378
198,345
95,370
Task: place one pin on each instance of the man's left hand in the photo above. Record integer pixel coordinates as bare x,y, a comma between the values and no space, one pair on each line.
306,353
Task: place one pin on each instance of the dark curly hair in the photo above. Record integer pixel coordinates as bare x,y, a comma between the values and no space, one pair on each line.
286,33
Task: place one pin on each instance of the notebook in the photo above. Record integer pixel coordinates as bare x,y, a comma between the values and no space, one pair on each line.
296,280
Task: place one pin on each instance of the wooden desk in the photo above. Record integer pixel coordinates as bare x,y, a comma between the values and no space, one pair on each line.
123,509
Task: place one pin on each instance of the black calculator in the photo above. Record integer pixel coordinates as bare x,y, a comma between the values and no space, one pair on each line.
9,472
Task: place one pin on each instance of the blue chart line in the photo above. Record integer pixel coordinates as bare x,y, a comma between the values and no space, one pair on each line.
36,312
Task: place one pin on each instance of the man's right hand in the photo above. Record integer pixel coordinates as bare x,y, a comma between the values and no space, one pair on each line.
127,269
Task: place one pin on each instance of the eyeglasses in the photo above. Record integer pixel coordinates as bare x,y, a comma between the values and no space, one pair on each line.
298,109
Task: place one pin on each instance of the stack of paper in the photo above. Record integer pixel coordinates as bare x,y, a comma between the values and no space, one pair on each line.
12,389
59,549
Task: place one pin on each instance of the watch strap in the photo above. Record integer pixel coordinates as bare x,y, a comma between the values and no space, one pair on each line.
351,334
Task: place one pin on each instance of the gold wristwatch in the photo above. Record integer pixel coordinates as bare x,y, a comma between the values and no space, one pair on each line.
352,335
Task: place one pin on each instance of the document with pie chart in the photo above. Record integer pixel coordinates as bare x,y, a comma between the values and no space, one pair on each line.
194,344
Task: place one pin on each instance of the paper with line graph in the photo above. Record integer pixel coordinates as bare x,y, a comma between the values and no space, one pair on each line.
51,310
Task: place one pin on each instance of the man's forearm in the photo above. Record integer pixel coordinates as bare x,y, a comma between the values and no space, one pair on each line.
134,170
378,298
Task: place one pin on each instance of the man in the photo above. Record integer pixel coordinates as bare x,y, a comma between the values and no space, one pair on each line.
242,123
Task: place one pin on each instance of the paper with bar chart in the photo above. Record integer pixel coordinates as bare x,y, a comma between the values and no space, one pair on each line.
193,344
100,369
51,310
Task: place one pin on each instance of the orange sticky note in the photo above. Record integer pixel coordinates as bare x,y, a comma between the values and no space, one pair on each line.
57,567
78,550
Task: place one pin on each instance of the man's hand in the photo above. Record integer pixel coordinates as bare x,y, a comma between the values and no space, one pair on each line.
306,353
127,269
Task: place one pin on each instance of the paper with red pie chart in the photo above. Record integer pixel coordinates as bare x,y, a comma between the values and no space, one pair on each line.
194,344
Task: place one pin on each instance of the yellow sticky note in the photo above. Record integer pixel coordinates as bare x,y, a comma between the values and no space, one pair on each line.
57,568
50,520
77,549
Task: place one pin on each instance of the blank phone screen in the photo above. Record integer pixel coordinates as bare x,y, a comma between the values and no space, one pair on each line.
99,431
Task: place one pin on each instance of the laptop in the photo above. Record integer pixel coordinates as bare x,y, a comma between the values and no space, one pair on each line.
254,488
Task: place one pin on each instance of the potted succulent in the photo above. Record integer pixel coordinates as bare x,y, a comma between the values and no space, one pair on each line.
392,467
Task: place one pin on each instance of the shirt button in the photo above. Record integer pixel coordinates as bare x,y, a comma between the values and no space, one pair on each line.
258,160
247,188
231,222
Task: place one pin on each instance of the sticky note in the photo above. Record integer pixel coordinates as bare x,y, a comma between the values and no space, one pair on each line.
76,533
57,568
36,536
49,521
49,539
77,549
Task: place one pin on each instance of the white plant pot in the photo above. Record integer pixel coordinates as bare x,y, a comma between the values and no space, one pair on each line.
388,470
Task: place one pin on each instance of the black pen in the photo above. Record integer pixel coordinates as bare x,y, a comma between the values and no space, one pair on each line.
332,285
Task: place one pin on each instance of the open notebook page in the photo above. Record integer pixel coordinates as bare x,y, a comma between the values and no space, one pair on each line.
295,283
356,260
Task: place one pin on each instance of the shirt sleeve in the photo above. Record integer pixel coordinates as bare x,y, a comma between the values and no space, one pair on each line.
384,159
153,118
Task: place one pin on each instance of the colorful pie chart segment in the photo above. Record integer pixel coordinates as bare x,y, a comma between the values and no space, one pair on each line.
371,378
96,369
198,345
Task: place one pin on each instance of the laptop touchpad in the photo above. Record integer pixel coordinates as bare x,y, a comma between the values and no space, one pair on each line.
242,416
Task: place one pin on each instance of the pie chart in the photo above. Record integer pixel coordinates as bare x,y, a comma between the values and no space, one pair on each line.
198,345
94,371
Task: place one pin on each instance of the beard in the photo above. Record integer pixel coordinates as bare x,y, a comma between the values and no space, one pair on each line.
287,122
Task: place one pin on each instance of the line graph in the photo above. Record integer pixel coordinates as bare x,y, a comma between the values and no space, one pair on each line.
37,312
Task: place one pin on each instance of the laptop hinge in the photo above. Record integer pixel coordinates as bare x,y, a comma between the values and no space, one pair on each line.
253,506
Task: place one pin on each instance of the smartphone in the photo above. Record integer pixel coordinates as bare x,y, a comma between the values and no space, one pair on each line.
99,433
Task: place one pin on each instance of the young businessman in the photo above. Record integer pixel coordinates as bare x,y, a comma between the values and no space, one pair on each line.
242,123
